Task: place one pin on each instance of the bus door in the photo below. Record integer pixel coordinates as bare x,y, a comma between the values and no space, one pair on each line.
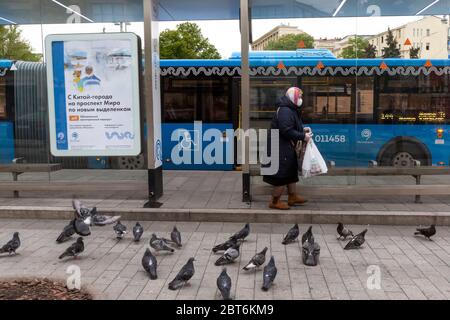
185,102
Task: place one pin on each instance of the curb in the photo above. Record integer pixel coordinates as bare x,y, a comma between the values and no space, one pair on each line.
240,215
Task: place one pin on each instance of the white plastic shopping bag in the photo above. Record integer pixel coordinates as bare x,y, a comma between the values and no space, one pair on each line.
313,163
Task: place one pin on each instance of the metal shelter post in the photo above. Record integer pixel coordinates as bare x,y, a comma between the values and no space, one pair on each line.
245,97
152,103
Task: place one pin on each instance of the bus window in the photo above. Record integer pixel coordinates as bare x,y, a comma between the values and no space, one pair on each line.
179,100
414,100
215,97
2,98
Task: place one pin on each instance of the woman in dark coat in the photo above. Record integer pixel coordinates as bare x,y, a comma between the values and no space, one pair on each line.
291,130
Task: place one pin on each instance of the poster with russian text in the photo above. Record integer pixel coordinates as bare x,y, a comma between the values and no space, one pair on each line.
95,108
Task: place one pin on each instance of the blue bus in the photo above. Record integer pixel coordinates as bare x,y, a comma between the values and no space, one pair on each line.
392,111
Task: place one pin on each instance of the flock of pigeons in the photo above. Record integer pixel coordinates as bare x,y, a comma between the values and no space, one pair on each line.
85,217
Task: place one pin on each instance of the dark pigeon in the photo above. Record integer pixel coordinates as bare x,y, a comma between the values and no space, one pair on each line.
241,234
257,260
307,235
137,231
74,250
175,235
67,233
150,264
224,284
292,235
81,227
357,241
343,232
269,274
224,246
120,230
310,253
426,232
183,276
229,256
160,244
12,245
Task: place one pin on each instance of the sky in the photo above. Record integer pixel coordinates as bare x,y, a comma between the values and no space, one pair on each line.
224,34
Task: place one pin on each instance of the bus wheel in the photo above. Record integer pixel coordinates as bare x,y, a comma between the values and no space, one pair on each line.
402,151
130,163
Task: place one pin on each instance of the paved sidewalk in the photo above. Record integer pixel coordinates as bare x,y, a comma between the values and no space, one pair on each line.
411,267
220,190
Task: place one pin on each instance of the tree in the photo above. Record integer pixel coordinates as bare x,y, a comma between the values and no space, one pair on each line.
13,47
391,50
370,51
290,42
414,52
186,42
355,49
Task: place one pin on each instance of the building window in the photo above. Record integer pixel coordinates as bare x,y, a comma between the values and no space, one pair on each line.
428,32
427,47
414,32
382,39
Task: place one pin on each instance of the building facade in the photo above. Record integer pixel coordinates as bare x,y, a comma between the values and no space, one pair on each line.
274,34
430,34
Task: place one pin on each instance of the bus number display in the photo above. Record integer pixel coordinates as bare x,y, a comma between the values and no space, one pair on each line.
329,138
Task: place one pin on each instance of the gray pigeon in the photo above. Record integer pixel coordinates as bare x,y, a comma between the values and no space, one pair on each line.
357,241
160,244
229,256
257,260
307,235
183,276
81,227
292,235
426,232
269,274
241,234
343,231
137,232
175,235
103,220
120,230
12,245
67,233
74,250
224,246
90,215
224,284
150,264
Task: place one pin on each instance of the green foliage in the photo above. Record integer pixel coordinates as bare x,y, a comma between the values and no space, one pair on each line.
391,50
13,47
290,42
370,51
186,42
355,49
414,52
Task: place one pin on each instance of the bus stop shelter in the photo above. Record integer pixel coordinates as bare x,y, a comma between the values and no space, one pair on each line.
153,11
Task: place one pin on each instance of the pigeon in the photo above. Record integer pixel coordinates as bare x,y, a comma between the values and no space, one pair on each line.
269,274
74,250
12,245
224,284
229,255
90,215
160,244
427,232
67,233
257,260
150,264
343,231
292,235
120,230
81,227
241,234
224,246
176,236
137,232
310,253
102,220
356,241
183,276
307,235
